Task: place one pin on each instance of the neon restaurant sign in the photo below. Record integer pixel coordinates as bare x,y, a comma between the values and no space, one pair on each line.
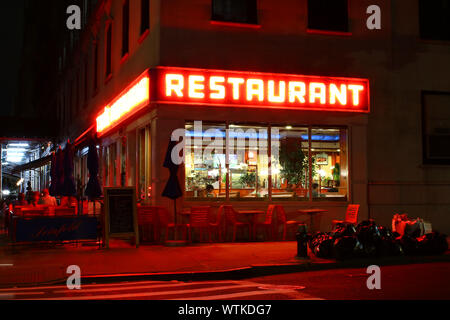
237,89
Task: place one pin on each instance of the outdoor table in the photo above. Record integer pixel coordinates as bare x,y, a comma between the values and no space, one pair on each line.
311,213
253,215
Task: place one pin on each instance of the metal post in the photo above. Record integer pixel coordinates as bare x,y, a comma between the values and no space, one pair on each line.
1,171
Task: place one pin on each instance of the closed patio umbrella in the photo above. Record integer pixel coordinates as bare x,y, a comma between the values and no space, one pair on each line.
53,175
93,188
172,189
59,170
69,189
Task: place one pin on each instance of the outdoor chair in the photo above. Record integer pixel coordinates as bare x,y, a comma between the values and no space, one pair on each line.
231,220
165,224
147,222
200,219
218,224
281,219
351,216
267,224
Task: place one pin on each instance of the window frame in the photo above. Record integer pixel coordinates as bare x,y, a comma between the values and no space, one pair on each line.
311,30
309,200
217,21
425,159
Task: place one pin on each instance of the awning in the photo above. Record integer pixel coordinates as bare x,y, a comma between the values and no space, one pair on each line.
33,164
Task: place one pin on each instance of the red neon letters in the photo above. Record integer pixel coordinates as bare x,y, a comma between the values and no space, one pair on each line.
127,103
195,86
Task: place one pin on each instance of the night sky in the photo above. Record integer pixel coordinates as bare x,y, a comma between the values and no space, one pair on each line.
11,26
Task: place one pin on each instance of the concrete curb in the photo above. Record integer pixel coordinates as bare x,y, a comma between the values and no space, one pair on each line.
246,272
262,270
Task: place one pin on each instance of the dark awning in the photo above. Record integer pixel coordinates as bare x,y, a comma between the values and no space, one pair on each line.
33,164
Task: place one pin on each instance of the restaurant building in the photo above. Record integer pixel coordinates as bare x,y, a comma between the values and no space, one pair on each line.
297,103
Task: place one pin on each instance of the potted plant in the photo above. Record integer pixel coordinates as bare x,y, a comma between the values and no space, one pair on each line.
248,179
337,174
292,161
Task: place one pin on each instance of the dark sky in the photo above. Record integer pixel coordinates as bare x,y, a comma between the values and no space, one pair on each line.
11,27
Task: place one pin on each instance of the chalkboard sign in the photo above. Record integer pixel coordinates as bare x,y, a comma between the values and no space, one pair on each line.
120,213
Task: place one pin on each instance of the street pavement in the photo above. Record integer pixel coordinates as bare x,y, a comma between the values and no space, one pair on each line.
159,290
402,282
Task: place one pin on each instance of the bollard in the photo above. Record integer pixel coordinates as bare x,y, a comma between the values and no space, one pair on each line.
302,241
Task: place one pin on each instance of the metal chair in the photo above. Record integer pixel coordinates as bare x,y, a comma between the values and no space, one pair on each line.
351,215
147,221
231,220
165,224
200,219
267,224
218,224
281,219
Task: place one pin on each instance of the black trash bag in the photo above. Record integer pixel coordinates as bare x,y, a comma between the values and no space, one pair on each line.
346,247
432,243
321,244
409,244
369,236
343,230
388,246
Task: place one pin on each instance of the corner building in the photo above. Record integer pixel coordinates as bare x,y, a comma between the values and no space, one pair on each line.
344,114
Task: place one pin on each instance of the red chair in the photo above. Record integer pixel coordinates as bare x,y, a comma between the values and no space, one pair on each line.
200,219
231,220
267,224
281,219
351,215
218,225
147,220
165,224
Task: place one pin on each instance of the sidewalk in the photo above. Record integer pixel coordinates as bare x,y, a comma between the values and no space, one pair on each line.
33,265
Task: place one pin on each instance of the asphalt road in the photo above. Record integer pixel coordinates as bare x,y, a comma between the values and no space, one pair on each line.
407,282
418,281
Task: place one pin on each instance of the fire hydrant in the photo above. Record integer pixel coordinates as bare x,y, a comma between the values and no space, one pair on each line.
302,241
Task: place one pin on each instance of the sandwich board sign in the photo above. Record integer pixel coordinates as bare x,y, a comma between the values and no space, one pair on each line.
121,214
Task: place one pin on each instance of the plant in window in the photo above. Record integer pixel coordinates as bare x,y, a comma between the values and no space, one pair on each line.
292,161
248,179
337,174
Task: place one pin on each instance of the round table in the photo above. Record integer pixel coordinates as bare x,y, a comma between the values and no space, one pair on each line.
253,215
311,213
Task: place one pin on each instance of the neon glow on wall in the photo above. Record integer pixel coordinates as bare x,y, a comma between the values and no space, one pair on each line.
267,90
131,100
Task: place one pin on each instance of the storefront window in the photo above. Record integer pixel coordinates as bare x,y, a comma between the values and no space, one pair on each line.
330,164
248,162
290,163
205,161
232,162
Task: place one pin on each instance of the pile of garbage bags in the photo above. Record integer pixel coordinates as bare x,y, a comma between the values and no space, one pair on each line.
367,239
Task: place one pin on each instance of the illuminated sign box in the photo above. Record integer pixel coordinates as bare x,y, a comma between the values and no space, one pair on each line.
235,89
263,90
135,97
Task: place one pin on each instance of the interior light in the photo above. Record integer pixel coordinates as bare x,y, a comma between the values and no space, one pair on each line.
288,127
6,192
23,145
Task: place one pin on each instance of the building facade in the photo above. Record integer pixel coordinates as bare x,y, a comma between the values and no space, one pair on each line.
141,69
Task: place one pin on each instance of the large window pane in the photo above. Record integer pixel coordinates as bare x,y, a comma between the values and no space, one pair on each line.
329,164
248,162
290,169
205,161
